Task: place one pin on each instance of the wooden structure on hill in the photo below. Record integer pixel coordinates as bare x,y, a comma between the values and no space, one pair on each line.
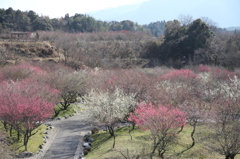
20,35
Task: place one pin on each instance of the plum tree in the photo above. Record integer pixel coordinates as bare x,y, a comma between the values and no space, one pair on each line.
162,121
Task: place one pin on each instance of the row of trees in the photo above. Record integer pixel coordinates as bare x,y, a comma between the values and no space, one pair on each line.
29,95
30,21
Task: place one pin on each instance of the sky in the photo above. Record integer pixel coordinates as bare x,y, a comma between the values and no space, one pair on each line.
226,13
58,8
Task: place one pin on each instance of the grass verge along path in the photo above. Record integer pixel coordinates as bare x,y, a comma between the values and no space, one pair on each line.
141,143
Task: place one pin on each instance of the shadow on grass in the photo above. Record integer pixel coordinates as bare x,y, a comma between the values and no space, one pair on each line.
100,139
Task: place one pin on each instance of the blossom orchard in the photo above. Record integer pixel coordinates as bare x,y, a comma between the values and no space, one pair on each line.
25,104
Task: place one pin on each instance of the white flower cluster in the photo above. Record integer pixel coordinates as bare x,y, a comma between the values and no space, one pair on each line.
204,76
106,107
211,88
231,89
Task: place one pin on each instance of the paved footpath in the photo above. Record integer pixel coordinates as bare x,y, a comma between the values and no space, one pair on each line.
68,141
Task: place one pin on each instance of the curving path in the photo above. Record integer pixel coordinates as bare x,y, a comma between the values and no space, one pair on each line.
67,143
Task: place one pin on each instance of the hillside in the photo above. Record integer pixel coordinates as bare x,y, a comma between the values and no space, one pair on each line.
16,52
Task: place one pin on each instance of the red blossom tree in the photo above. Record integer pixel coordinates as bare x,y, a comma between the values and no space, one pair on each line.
25,104
162,121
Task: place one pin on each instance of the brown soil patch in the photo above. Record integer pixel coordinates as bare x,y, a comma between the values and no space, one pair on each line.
28,51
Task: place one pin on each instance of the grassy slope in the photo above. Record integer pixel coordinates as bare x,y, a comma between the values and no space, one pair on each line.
34,141
102,145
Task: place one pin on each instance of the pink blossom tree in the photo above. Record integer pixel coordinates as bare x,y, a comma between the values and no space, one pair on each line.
162,121
25,104
19,72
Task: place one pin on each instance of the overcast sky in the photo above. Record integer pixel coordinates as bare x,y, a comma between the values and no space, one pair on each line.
225,13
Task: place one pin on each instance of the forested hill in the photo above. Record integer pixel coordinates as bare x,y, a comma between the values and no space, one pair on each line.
18,20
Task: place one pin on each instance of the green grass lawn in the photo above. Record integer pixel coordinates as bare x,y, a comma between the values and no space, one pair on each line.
142,143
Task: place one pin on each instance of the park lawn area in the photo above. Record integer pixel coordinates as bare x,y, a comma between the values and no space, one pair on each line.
141,143
33,143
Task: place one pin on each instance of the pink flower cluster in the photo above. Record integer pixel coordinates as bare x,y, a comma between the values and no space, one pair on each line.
157,118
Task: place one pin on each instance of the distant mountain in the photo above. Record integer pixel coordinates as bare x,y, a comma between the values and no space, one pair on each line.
233,28
143,13
224,13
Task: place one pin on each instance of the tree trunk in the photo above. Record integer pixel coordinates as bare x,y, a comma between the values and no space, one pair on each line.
27,135
65,104
25,140
114,141
10,131
110,130
154,149
192,137
5,126
161,155
129,131
112,134
56,112
133,126
180,129
18,135
192,133
230,156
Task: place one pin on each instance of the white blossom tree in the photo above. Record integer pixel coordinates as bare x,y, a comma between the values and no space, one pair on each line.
107,108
